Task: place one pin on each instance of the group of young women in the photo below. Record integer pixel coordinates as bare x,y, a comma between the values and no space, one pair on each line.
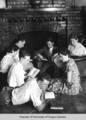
17,63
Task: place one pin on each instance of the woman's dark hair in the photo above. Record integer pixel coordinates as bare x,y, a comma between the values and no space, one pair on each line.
64,52
50,39
73,35
12,48
17,39
41,77
23,52
15,48
13,45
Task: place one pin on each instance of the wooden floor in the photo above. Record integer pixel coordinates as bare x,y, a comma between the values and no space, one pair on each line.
70,104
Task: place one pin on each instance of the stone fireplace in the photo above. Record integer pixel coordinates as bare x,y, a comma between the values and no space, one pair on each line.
37,25
39,28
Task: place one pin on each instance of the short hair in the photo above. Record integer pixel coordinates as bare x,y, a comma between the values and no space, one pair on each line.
41,77
12,48
18,39
15,48
23,52
50,39
64,52
74,36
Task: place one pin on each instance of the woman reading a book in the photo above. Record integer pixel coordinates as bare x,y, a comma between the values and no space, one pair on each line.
31,89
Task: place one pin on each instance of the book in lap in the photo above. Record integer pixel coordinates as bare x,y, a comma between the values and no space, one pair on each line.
34,72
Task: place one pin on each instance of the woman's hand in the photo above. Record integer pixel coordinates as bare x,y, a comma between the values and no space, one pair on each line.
54,56
40,56
69,84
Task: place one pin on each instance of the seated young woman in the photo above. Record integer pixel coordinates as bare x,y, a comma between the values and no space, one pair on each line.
45,58
6,62
70,85
75,47
32,89
16,74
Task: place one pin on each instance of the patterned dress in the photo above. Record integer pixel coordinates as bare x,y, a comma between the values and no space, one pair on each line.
75,79
60,85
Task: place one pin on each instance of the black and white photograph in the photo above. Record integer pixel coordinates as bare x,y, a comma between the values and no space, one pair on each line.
42,58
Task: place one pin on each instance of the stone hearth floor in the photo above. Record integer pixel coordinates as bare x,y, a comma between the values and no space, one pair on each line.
70,104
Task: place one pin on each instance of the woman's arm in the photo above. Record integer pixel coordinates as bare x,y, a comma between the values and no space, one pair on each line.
69,76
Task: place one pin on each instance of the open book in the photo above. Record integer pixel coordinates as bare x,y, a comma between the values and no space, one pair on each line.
34,72
49,95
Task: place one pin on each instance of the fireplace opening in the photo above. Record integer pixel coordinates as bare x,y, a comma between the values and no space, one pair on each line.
37,39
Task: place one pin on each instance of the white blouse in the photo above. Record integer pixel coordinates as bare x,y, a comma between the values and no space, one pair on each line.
29,91
16,75
78,50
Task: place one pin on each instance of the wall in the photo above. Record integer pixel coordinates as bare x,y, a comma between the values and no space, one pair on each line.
2,4
80,2
44,3
13,24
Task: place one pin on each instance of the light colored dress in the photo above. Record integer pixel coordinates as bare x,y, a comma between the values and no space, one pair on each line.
16,75
75,79
8,60
30,91
78,50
